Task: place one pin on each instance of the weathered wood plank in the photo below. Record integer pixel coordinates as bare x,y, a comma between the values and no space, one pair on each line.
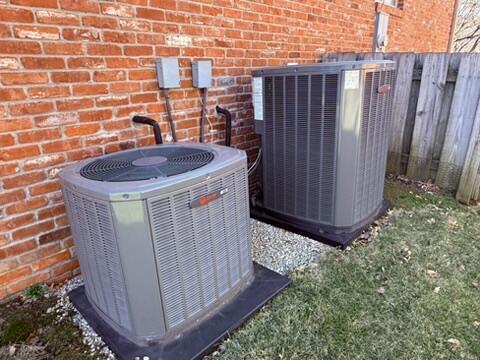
469,179
403,85
434,75
460,123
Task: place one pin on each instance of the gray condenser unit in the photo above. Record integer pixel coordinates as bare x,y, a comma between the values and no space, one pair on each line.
324,131
162,234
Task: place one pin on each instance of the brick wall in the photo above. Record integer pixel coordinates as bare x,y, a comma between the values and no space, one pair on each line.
73,72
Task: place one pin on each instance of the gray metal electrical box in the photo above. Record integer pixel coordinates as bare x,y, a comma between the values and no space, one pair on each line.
202,73
168,73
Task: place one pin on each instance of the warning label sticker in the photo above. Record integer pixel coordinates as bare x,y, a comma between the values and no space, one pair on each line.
352,79
258,98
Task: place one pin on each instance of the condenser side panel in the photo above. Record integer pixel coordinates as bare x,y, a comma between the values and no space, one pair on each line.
300,115
202,251
132,227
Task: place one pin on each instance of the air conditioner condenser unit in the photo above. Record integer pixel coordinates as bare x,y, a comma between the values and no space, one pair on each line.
163,238
324,130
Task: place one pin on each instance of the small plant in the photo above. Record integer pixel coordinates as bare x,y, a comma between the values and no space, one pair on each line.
36,291
16,331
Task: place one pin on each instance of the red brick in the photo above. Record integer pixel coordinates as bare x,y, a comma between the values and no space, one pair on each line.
125,87
48,92
43,162
141,75
80,34
151,14
80,130
93,89
36,3
11,94
84,153
109,75
100,139
33,230
19,248
51,212
24,78
23,179
36,32
112,100
63,268
19,47
10,276
80,5
138,50
8,14
143,98
62,48
59,119
75,104
15,124
19,152
100,22
70,76
96,115
39,135
44,188
27,205
39,253
51,260
31,108
118,10
6,140
61,145
7,169
43,63
117,62
57,17
118,37
55,235
86,62
7,197
103,49
16,222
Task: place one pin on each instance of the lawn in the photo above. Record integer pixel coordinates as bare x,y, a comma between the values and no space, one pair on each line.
412,293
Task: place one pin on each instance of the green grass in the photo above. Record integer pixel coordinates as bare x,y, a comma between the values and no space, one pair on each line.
413,293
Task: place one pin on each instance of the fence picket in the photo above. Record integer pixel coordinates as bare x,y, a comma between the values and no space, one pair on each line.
460,123
469,181
405,66
434,77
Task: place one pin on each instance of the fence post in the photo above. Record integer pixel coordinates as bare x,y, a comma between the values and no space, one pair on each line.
460,122
434,77
468,188
401,98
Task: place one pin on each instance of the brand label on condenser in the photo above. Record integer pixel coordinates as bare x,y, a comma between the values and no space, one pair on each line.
352,79
258,97
205,199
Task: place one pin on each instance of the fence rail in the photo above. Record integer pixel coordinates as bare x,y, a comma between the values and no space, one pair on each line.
435,131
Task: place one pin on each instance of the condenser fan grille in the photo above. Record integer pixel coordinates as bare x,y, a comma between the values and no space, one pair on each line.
144,164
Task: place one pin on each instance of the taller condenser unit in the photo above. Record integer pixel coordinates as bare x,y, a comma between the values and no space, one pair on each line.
324,131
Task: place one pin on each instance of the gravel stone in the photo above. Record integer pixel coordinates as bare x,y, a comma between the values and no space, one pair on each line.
281,250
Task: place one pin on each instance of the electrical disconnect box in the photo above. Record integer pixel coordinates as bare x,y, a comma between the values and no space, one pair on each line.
168,73
202,73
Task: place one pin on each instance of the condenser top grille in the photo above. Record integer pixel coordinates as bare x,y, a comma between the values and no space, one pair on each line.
145,164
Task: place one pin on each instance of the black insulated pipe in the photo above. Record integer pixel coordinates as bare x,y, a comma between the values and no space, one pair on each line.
156,127
228,124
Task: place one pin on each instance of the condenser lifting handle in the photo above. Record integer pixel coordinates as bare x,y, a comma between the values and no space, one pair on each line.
156,128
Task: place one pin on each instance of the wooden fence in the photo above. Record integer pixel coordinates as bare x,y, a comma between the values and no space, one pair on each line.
436,119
